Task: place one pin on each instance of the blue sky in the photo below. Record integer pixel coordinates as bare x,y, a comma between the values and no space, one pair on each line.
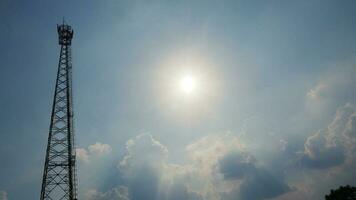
273,114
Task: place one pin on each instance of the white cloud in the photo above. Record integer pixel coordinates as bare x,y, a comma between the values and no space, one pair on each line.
216,169
207,151
82,154
119,193
99,148
333,87
350,131
149,174
333,145
143,149
93,151
3,195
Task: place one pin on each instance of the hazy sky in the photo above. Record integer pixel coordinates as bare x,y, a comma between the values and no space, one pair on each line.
272,113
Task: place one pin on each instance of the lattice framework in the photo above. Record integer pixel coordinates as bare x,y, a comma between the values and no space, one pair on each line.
59,176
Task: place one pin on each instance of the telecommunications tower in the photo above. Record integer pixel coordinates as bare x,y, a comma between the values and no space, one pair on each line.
59,175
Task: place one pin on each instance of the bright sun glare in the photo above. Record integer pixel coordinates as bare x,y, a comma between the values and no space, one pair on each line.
187,84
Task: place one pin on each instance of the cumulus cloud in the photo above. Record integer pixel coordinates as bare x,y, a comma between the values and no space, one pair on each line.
331,146
148,174
218,168
3,195
179,191
334,86
257,183
99,148
143,150
350,130
205,153
94,150
236,165
119,193
261,185
82,154
322,153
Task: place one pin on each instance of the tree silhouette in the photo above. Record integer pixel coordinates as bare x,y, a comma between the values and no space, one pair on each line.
342,193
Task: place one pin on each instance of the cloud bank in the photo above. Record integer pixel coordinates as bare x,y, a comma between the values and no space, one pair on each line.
218,167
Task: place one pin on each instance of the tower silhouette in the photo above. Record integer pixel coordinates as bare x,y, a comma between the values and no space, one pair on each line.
59,175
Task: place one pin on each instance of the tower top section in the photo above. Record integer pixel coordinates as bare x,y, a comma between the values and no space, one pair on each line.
65,34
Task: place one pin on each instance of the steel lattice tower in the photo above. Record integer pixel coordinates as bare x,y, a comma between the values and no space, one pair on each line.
59,176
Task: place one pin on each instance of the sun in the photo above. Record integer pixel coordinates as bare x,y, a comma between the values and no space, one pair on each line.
187,84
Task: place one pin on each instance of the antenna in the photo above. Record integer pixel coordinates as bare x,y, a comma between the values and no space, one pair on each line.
59,175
